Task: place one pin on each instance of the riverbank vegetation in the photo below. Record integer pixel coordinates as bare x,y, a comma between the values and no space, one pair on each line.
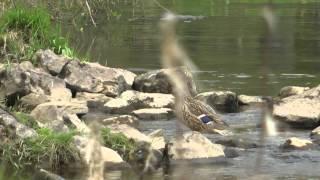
23,31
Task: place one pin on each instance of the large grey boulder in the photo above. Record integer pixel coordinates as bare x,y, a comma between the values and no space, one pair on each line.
22,79
157,81
7,120
302,111
95,78
51,62
194,145
222,100
291,91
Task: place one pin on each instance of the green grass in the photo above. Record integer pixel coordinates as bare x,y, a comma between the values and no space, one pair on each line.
47,150
23,31
118,142
26,119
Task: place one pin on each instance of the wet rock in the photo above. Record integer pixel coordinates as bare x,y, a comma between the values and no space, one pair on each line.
246,100
122,119
94,100
231,152
158,82
22,79
154,113
86,146
239,143
7,120
222,100
129,132
157,139
148,100
291,91
94,78
315,135
297,143
301,111
51,62
144,159
194,145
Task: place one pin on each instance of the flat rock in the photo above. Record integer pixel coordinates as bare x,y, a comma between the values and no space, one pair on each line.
297,143
55,110
157,81
122,119
129,132
302,111
222,100
291,91
194,145
148,100
154,113
94,100
246,100
118,106
51,62
95,78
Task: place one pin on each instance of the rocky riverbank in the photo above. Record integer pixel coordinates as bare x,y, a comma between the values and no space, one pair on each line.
66,95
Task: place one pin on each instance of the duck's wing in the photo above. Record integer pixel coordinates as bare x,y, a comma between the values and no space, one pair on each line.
199,108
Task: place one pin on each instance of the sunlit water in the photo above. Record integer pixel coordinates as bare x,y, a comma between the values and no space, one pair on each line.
226,40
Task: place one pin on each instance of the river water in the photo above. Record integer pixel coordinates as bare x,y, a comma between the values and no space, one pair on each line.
226,39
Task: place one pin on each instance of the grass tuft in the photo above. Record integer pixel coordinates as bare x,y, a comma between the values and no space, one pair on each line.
23,31
47,150
118,142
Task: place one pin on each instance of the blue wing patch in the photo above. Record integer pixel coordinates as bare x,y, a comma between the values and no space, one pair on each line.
204,118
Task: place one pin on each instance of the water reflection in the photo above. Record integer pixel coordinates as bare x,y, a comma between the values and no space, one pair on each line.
225,38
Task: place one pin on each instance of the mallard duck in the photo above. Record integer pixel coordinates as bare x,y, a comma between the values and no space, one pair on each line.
193,113
198,116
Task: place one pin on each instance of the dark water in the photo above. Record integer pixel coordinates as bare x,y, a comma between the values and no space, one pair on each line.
225,39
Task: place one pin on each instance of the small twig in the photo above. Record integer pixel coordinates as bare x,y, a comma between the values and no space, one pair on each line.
89,9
